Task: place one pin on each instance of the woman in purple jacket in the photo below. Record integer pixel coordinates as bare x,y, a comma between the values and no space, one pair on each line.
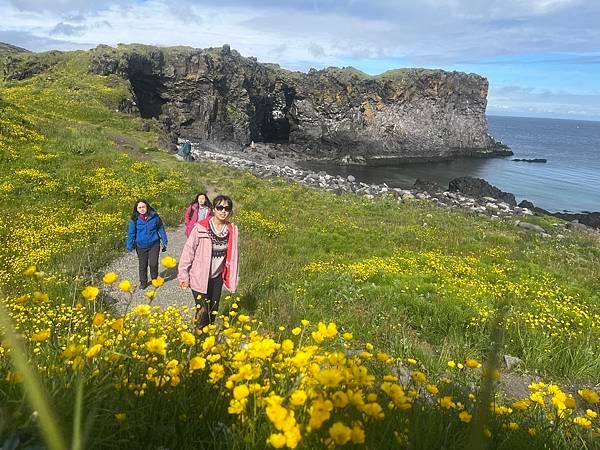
198,210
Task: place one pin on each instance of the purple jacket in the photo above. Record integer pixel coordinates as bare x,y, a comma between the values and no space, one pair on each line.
191,217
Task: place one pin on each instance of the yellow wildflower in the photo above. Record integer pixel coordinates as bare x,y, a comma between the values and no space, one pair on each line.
158,282
357,435
340,433
197,362
373,410
188,338
473,363
90,293
418,376
21,299
465,417
329,377
287,346
240,392
582,422
277,440
446,402
157,346
40,296
432,389
117,324
169,262
297,398
98,319
93,351
142,310
589,395
41,336
125,285
30,271
110,278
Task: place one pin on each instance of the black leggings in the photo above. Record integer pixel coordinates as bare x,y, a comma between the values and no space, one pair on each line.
209,302
148,257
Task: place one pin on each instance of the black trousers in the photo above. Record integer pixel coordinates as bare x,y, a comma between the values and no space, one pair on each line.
148,257
209,302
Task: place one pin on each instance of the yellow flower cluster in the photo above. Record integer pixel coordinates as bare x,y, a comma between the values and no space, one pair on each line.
538,303
44,216
313,387
37,236
15,133
254,220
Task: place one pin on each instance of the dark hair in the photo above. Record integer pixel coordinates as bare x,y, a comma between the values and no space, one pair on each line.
222,199
134,214
207,203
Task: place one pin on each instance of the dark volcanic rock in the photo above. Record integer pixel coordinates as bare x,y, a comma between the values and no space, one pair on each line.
218,95
591,219
427,185
534,160
477,187
19,65
540,211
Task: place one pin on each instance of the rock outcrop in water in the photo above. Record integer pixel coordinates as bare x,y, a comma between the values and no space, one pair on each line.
218,95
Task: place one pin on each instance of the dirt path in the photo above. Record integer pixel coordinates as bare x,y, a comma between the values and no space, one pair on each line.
126,266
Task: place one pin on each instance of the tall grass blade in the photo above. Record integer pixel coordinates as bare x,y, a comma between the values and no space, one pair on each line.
32,387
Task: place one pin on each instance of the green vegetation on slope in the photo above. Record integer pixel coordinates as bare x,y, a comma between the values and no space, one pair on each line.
415,280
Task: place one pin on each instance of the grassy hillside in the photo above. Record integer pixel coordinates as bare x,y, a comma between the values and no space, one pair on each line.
419,297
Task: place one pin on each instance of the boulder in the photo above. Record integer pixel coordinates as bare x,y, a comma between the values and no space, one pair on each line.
478,187
530,206
427,185
531,227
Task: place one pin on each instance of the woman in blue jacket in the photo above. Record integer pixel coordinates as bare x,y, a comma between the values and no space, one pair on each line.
145,234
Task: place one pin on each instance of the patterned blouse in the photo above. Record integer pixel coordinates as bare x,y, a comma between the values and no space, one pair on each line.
219,249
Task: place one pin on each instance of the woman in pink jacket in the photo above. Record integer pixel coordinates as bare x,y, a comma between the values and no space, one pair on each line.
209,260
198,210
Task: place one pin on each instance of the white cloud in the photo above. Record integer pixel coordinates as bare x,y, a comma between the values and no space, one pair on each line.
427,33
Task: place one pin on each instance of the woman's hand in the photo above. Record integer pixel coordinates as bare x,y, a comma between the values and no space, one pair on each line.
184,284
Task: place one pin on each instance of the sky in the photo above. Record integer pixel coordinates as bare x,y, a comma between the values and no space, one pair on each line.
541,57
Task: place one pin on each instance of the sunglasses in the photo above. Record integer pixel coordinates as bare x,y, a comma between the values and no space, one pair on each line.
223,208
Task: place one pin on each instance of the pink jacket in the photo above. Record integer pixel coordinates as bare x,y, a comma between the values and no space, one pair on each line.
194,262
191,217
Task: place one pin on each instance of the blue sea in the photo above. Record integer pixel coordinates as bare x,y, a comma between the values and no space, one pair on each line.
569,181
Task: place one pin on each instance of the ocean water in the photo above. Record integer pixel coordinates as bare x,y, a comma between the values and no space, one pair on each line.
569,181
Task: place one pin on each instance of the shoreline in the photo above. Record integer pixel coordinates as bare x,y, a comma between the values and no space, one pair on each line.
485,206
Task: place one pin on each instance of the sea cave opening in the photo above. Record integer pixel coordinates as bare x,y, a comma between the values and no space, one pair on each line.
147,90
268,123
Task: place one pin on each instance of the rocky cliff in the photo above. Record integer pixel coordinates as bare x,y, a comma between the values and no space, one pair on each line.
218,95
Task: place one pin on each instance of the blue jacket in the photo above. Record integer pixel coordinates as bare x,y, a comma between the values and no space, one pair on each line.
146,234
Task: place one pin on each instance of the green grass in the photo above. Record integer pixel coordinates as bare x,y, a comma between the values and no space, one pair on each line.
416,280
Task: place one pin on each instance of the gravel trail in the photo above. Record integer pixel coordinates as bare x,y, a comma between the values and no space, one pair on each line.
126,267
